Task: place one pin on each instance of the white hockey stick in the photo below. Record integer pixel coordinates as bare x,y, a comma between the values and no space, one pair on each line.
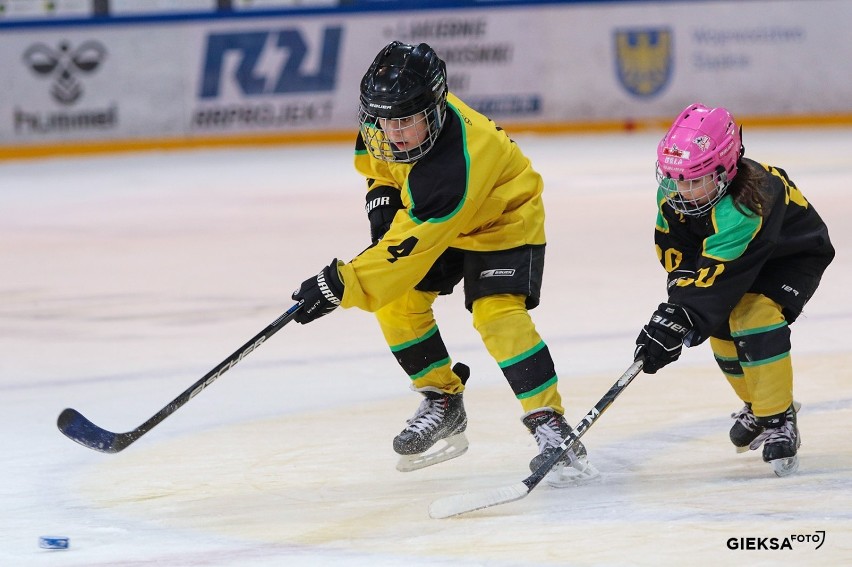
462,503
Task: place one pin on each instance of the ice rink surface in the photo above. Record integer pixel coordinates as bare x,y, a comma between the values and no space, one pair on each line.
126,278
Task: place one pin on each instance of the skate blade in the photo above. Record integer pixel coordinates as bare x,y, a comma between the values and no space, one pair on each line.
578,473
454,446
745,449
785,467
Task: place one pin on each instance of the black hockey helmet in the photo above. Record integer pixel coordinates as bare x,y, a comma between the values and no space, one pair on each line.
403,81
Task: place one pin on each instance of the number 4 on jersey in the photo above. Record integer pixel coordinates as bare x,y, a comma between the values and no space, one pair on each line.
403,249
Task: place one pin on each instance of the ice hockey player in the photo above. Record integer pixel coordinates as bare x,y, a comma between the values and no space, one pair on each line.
744,252
449,198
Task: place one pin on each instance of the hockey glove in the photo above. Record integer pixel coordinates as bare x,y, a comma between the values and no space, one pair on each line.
321,294
661,340
382,204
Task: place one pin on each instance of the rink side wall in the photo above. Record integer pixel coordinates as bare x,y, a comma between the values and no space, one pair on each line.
84,84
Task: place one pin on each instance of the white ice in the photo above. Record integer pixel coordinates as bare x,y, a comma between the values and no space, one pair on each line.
126,278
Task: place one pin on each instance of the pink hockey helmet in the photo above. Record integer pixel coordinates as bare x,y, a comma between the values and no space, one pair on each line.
700,142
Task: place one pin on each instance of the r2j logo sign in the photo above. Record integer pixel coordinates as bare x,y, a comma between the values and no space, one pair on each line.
644,60
250,48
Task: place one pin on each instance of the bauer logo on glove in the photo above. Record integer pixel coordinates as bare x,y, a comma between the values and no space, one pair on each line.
673,326
660,342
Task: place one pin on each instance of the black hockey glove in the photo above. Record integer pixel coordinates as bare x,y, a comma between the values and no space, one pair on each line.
321,294
661,340
382,204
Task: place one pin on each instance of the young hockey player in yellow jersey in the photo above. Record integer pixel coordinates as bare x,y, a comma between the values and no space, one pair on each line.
744,252
449,198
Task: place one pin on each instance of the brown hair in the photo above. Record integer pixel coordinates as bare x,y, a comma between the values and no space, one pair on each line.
746,188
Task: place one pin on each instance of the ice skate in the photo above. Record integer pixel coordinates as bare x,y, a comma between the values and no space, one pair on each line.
440,417
550,429
780,439
745,429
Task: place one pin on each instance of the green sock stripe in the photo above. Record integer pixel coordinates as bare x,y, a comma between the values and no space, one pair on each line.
429,368
758,330
765,360
522,356
538,390
403,346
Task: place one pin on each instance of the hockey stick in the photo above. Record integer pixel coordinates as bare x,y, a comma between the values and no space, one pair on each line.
76,427
463,503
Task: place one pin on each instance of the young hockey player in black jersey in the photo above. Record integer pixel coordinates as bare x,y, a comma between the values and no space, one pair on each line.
744,251
449,198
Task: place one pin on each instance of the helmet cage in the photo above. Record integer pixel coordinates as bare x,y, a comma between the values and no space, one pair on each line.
425,125
694,197
405,87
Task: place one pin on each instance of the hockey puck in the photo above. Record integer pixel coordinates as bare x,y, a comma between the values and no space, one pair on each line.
53,542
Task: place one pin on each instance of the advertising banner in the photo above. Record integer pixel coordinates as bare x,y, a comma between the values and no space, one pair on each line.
544,65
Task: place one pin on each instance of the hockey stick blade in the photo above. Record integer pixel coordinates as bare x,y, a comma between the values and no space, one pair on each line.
78,428
457,504
463,503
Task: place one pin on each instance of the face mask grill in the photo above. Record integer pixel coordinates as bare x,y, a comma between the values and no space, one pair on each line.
401,140
693,197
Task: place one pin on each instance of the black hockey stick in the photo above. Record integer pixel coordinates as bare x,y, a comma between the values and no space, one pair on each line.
463,503
76,427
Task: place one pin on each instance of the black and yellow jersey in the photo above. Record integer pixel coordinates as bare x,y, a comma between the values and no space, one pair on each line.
713,260
474,190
